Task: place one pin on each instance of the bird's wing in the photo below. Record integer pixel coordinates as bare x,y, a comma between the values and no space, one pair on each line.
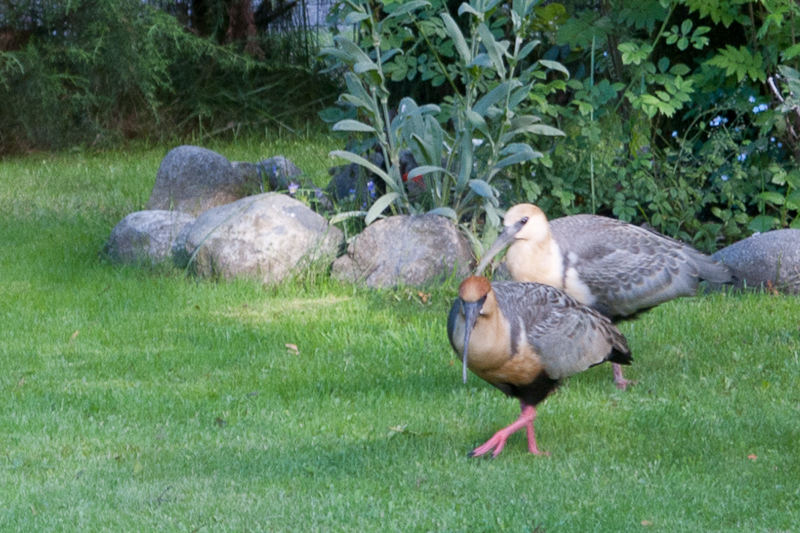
628,268
568,337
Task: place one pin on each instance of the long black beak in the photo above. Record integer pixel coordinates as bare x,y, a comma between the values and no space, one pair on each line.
503,240
471,312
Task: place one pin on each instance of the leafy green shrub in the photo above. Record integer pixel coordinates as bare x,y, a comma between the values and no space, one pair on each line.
463,169
714,181
668,119
667,116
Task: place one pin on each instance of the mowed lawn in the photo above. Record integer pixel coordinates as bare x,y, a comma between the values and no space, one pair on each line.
144,400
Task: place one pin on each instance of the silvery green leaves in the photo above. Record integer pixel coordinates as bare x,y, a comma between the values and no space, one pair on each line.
454,32
457,168
495,50
349,53
368,94
486,115
353,125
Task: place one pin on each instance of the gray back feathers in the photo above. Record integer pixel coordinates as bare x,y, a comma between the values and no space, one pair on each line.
628,268
568,336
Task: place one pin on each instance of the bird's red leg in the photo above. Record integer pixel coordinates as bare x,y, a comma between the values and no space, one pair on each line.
498,440
619,380
532,447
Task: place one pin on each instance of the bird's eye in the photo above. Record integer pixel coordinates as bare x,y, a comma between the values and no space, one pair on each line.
524,220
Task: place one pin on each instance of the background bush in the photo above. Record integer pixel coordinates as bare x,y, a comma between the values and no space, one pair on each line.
99,71
461,171
676,113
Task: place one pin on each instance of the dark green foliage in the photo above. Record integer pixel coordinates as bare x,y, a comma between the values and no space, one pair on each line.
676,113
97,71
669,121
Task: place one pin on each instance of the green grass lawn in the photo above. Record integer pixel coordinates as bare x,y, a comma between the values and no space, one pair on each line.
142,400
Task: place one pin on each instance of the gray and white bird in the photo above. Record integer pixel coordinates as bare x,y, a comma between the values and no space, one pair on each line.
614,267
524,338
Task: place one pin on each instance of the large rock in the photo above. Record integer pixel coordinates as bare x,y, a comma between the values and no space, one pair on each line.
146,236
768,258
192,179
264,237
405,250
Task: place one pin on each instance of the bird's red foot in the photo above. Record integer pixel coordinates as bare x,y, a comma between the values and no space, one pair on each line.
623,383
498,440
619,380
496,443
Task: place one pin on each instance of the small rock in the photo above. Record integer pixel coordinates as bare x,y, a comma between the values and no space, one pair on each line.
405,250
280,173
253,180
771,258
146,236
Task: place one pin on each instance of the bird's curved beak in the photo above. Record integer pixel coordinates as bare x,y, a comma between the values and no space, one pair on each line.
471,312
503,240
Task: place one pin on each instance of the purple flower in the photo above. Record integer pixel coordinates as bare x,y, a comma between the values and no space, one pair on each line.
741,157
752,99
293,187
674,134
724,177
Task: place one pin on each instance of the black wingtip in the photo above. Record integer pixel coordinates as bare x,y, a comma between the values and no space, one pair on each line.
621,358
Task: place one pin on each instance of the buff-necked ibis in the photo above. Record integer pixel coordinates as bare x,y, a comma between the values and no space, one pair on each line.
614,267
524,338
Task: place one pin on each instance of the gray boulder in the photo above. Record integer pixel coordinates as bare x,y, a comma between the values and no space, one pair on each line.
180,257
193,179
146,236
405,250
768,258
264,237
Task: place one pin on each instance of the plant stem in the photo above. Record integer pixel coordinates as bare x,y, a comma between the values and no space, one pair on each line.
438,60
